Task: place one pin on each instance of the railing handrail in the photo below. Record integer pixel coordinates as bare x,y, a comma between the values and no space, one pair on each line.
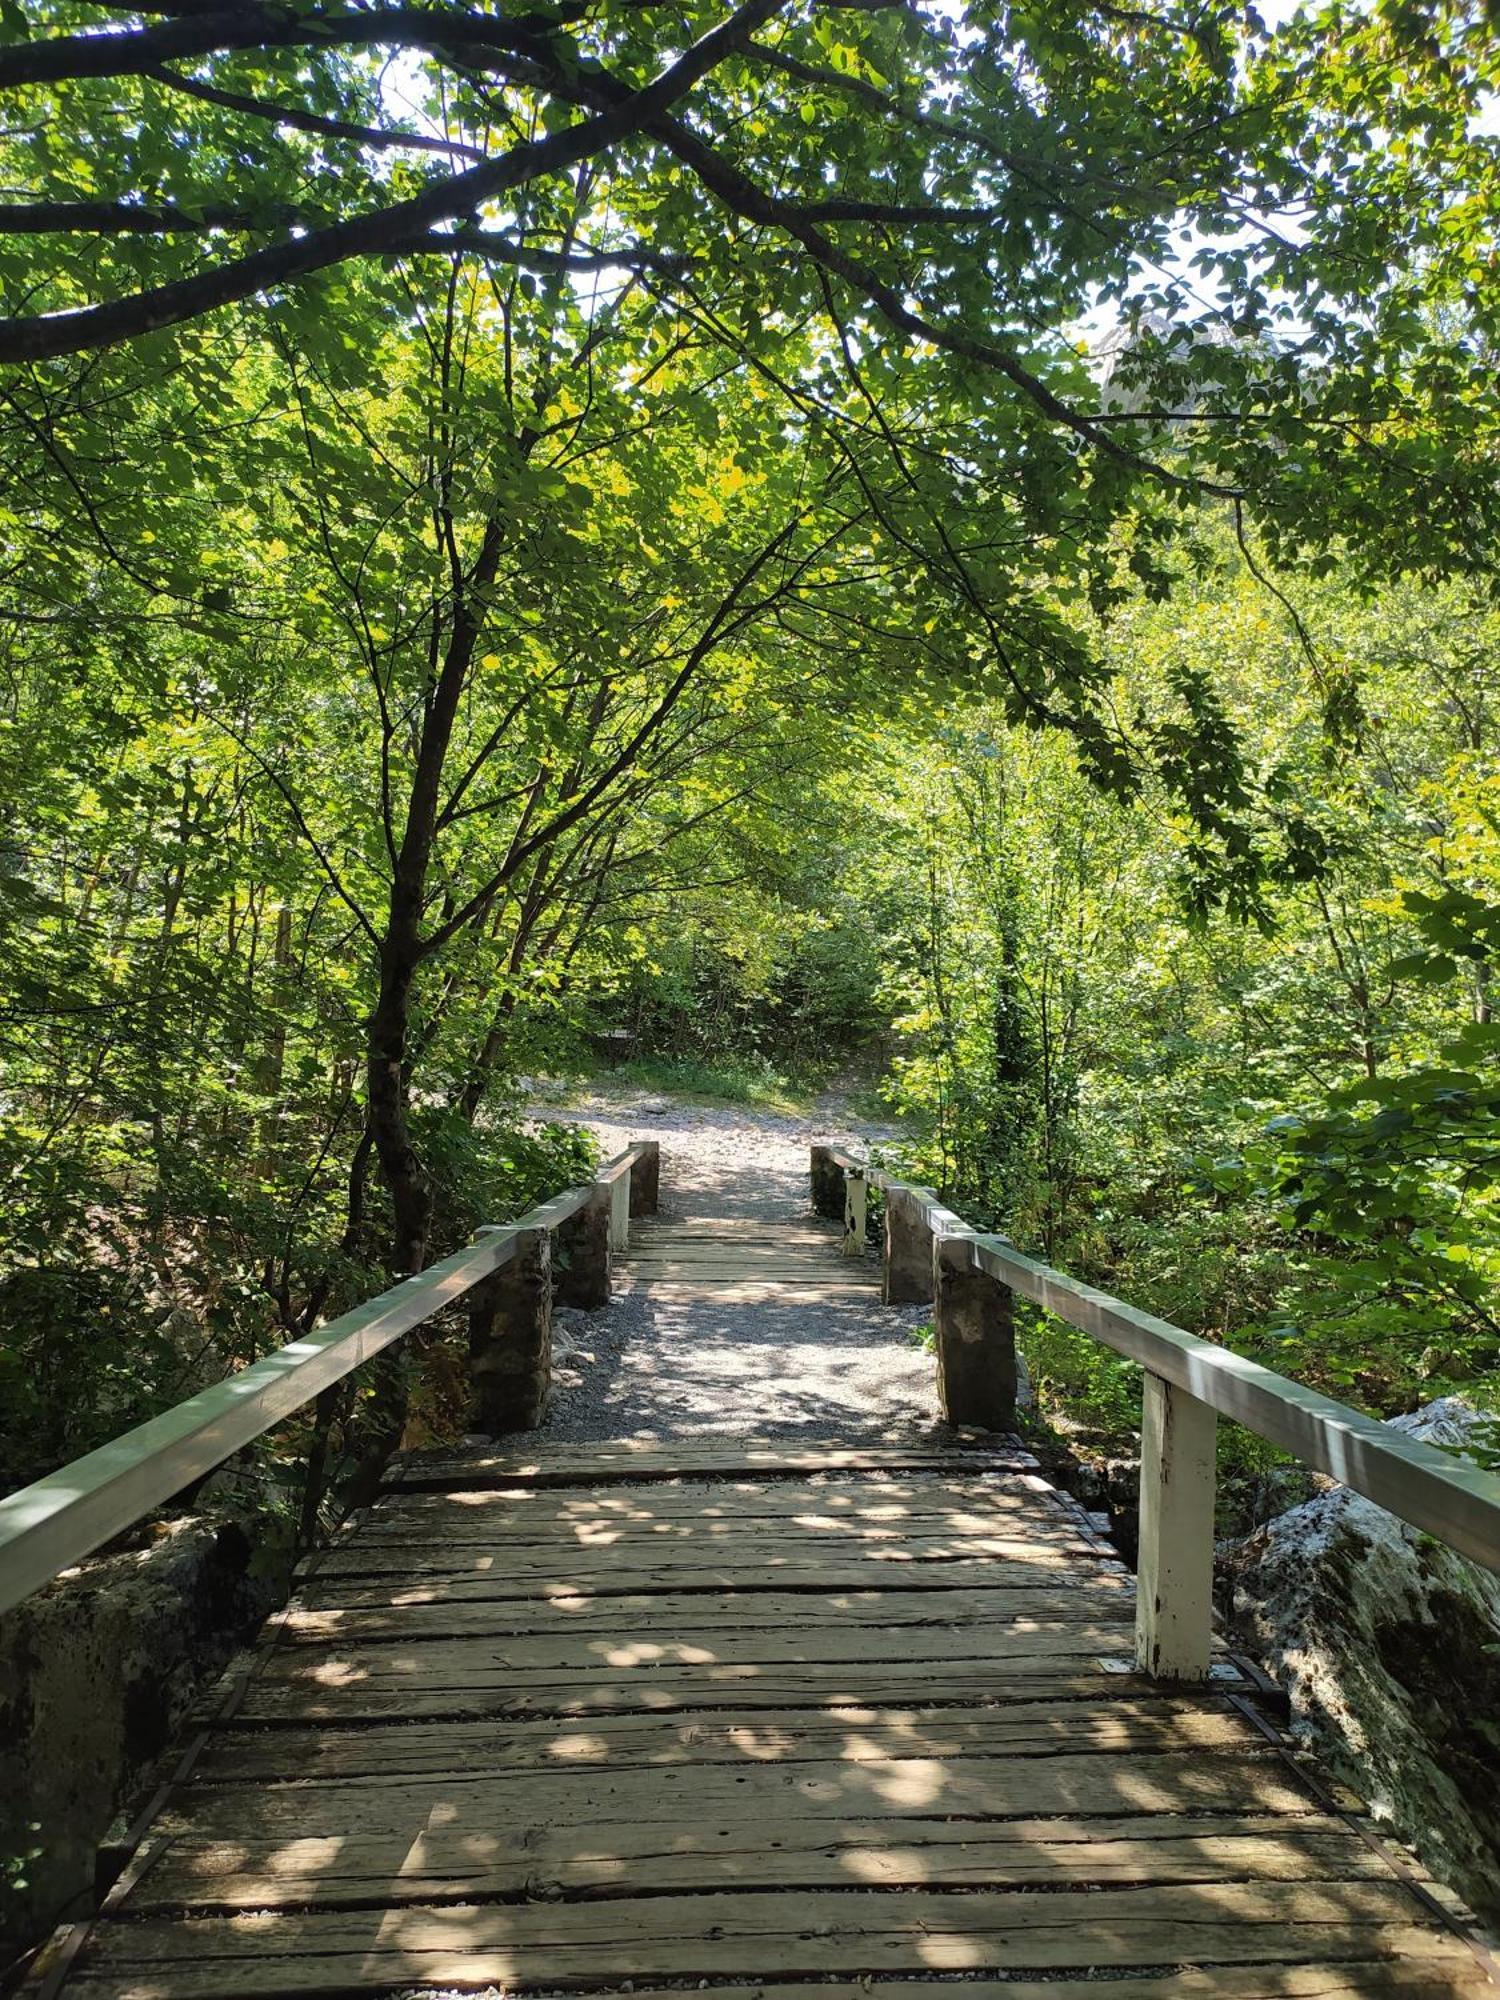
57,1521
1456,1502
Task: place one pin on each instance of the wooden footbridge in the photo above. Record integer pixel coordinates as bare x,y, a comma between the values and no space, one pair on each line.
775,1721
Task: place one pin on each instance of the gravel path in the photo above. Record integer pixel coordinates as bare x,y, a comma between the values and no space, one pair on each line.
650,1366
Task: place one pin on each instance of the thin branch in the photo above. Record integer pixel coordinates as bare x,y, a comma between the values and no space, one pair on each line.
310,121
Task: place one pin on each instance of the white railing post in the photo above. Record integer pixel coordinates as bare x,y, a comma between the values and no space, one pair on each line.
1175,1563
856,1191
619,1211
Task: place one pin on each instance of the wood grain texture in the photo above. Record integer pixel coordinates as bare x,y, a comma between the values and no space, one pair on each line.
350,1695
1147,1721
531,1946
554,1719
567,1609
449,1861
1238,1778
1261,1982
574,1465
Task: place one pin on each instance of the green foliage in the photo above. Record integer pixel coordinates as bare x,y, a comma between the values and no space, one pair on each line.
731,1080
715,593
1396,1177
779,985
484,1175
1281,1135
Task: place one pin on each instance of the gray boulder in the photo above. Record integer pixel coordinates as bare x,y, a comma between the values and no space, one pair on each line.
1389,1647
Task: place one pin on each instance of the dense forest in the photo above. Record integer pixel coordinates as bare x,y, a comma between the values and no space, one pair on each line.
948,550
925,566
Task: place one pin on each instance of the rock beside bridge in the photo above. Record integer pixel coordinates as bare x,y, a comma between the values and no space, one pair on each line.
96,1674
1389,1646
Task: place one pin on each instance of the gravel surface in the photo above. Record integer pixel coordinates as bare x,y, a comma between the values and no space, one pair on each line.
649,1366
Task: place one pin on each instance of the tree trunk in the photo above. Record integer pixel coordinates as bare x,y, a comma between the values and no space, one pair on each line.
403,1172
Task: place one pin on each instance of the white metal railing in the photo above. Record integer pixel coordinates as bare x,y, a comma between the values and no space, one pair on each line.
1189,1383
56,1522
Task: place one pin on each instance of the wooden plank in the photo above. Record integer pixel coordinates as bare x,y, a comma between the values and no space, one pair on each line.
444,1859
734,1288
768,1455
893,1556
667,1246
651,1243
815,1276
1067,1627
769,1459
741,1542
416,1575
712,1224
1345,1982
745,1252
446,1679
1156,1722
588,1465
462,1529
779,1278
800,1934
739,1257
767,1792
455,1525
897,1503
662,1617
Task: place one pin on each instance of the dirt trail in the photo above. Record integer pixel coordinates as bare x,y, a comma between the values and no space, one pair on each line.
649,1366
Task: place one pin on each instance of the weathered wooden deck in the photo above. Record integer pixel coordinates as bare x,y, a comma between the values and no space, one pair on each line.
772,1720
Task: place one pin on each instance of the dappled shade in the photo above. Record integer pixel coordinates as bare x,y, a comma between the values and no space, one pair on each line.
764,1711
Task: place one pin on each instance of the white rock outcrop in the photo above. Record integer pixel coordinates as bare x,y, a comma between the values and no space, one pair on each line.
1389,1646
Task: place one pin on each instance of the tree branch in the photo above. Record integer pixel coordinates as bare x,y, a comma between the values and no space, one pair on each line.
311,121
124,218
48,335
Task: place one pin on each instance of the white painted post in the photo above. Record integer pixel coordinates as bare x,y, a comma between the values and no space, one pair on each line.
619,1211
855,1192
1175,1565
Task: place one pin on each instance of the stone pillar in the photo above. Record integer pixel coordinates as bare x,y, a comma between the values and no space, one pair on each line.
581,1261
510,1338
827,1184
976,1340
907,1278
645,1180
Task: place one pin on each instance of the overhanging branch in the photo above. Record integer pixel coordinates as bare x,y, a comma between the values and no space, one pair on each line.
48,335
